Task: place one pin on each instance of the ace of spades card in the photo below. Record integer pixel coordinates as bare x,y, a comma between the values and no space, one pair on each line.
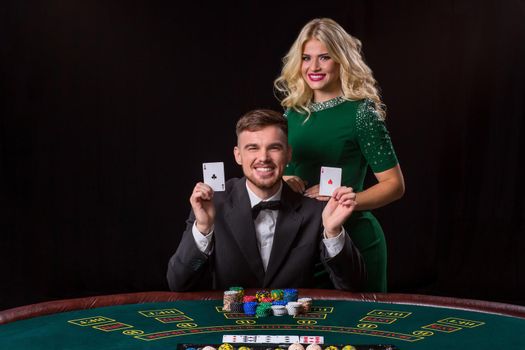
213,175
330,179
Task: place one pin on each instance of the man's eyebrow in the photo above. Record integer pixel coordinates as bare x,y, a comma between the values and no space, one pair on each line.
274,144
250,145
280,144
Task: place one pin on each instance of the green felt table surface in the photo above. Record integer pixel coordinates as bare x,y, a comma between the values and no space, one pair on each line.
166,324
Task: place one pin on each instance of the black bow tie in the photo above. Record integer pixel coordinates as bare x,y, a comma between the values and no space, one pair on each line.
271,205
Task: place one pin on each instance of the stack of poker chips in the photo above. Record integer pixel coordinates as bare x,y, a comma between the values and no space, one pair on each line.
250,308
240,290
237,307
230,296
249,298
235,301
264,309
307,304
260,294
290,295
294,308
279,310
277,294
278,302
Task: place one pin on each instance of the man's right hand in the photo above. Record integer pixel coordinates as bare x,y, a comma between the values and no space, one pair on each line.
203,207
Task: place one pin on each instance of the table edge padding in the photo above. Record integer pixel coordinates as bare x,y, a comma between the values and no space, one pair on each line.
57,306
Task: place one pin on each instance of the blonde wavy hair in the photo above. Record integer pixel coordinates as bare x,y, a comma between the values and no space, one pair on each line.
357,81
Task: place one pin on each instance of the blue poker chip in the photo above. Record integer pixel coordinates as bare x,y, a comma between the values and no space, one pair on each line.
250,307
290,294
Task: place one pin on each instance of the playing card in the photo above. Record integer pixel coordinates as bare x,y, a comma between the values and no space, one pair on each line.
213,174
285,339
264,339
269,339
277,339
251,339
330,179
234,338
312,339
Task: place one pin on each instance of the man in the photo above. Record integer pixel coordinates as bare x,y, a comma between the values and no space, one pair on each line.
227,243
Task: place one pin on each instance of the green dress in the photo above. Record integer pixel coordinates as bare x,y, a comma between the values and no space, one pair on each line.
348,135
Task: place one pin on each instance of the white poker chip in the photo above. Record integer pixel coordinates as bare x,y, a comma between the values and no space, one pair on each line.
294,304
294,308
313,347
279,310
296,346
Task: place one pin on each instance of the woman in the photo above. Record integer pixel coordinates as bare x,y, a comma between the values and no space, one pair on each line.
336,118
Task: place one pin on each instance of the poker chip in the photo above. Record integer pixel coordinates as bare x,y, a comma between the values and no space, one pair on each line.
331,347
277,294
226,346
230,296
296,346
307,303
290,294
280,310
264,310
239,289
250,307
207,348
315,347
248,298
260,294
260,313
348,347
237,307
294,308
243,348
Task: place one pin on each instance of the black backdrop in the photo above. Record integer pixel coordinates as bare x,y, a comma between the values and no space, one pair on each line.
110,107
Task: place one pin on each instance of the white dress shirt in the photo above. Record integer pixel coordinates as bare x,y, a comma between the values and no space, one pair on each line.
264,230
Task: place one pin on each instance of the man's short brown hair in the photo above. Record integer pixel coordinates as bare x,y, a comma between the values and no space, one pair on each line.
261,118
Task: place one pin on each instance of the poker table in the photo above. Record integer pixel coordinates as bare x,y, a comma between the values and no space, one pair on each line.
162,320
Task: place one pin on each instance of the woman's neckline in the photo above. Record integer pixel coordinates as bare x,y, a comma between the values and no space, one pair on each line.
320,106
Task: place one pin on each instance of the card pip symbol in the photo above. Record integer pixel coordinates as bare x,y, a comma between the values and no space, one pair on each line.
214,176
330,182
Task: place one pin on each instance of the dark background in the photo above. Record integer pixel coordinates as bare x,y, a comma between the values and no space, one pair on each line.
108,109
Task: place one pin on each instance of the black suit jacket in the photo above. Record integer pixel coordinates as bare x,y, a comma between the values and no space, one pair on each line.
235,258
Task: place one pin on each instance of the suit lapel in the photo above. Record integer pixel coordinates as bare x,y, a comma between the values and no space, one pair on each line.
238,217
287,227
